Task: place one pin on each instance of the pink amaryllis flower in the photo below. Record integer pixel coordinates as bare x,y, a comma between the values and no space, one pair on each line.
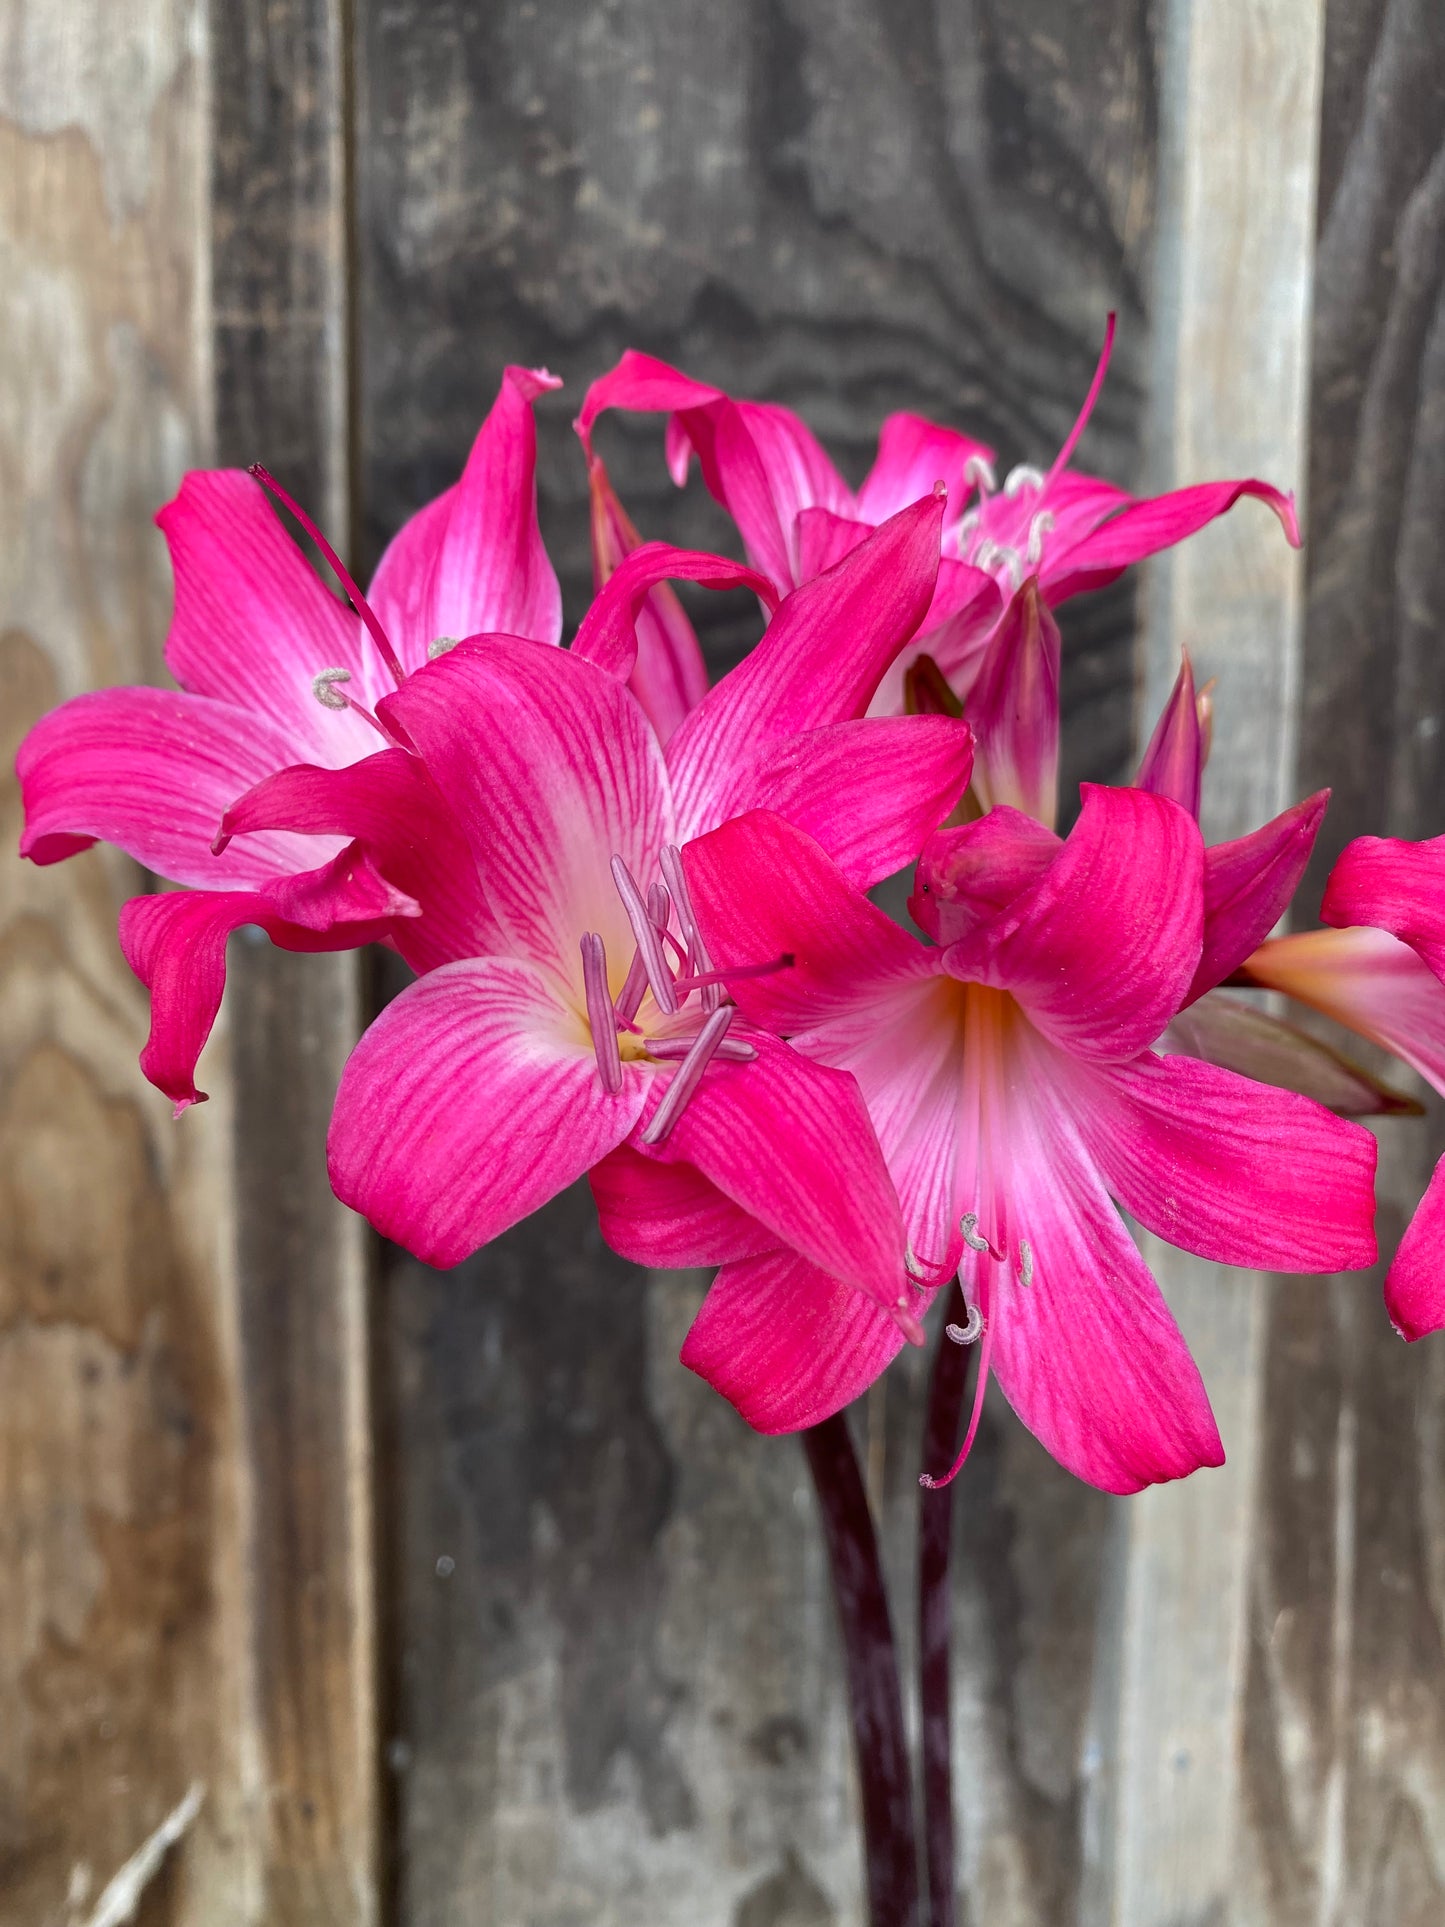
576,1014
797,515
1248,885
274,670
1011,1080
1380,971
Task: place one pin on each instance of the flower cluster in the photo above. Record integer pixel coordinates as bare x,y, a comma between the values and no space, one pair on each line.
637,909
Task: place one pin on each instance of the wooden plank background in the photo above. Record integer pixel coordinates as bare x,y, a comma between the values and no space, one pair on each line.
460,1600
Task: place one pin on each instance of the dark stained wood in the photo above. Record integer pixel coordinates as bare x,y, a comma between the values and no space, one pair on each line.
619,1699
1345,1754
280,295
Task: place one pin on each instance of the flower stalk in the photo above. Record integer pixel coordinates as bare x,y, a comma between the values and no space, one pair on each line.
875,1700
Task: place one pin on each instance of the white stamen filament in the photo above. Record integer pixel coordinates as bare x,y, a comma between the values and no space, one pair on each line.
688,1075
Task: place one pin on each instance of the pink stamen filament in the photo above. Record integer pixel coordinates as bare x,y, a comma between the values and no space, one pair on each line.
688,1075
706,977
649,949
600,1014
926,1479
1072,438
353,595
733,1050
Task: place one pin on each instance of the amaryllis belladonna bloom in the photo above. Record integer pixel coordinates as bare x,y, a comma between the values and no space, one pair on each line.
1381,972
578,1014
797,515
274,670
1009,1074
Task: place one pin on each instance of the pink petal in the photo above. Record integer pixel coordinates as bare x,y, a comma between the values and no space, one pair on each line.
1225,1030
1147,527
961,619
1248,885
1173,764
762,889
153,770
471,1100
553,770
969,873
670,1215
913,455
822,538
788,1345
819,662
1014,709
472,561
1367,980
643,384
1219,1165
790,1143
176,944
391,806
1088,1354
1415,1283
253,623
868,792
1396,886
609,632
669,678
1101,951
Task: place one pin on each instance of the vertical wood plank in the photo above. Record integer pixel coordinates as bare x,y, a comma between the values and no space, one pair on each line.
618,1693
1239,119
1345,1743
121,1678
280,79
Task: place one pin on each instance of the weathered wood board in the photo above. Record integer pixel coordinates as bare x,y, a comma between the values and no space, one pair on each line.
122,1628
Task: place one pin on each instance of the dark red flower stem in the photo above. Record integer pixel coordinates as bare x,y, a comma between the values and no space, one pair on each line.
935,1618
884,1770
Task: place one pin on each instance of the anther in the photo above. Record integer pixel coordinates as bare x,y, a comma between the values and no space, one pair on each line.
1022,477
992,555
967,527
967,1333
439,645
978,472
323,688
968,1225
910,1263
1026,1263
698,959
687,1076
649,947
732,1050
348,588
1038,529
600,1014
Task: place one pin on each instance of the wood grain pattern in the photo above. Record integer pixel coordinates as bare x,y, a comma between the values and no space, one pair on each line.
1344,1756
619,1698
280,276
121,1647
1240,121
